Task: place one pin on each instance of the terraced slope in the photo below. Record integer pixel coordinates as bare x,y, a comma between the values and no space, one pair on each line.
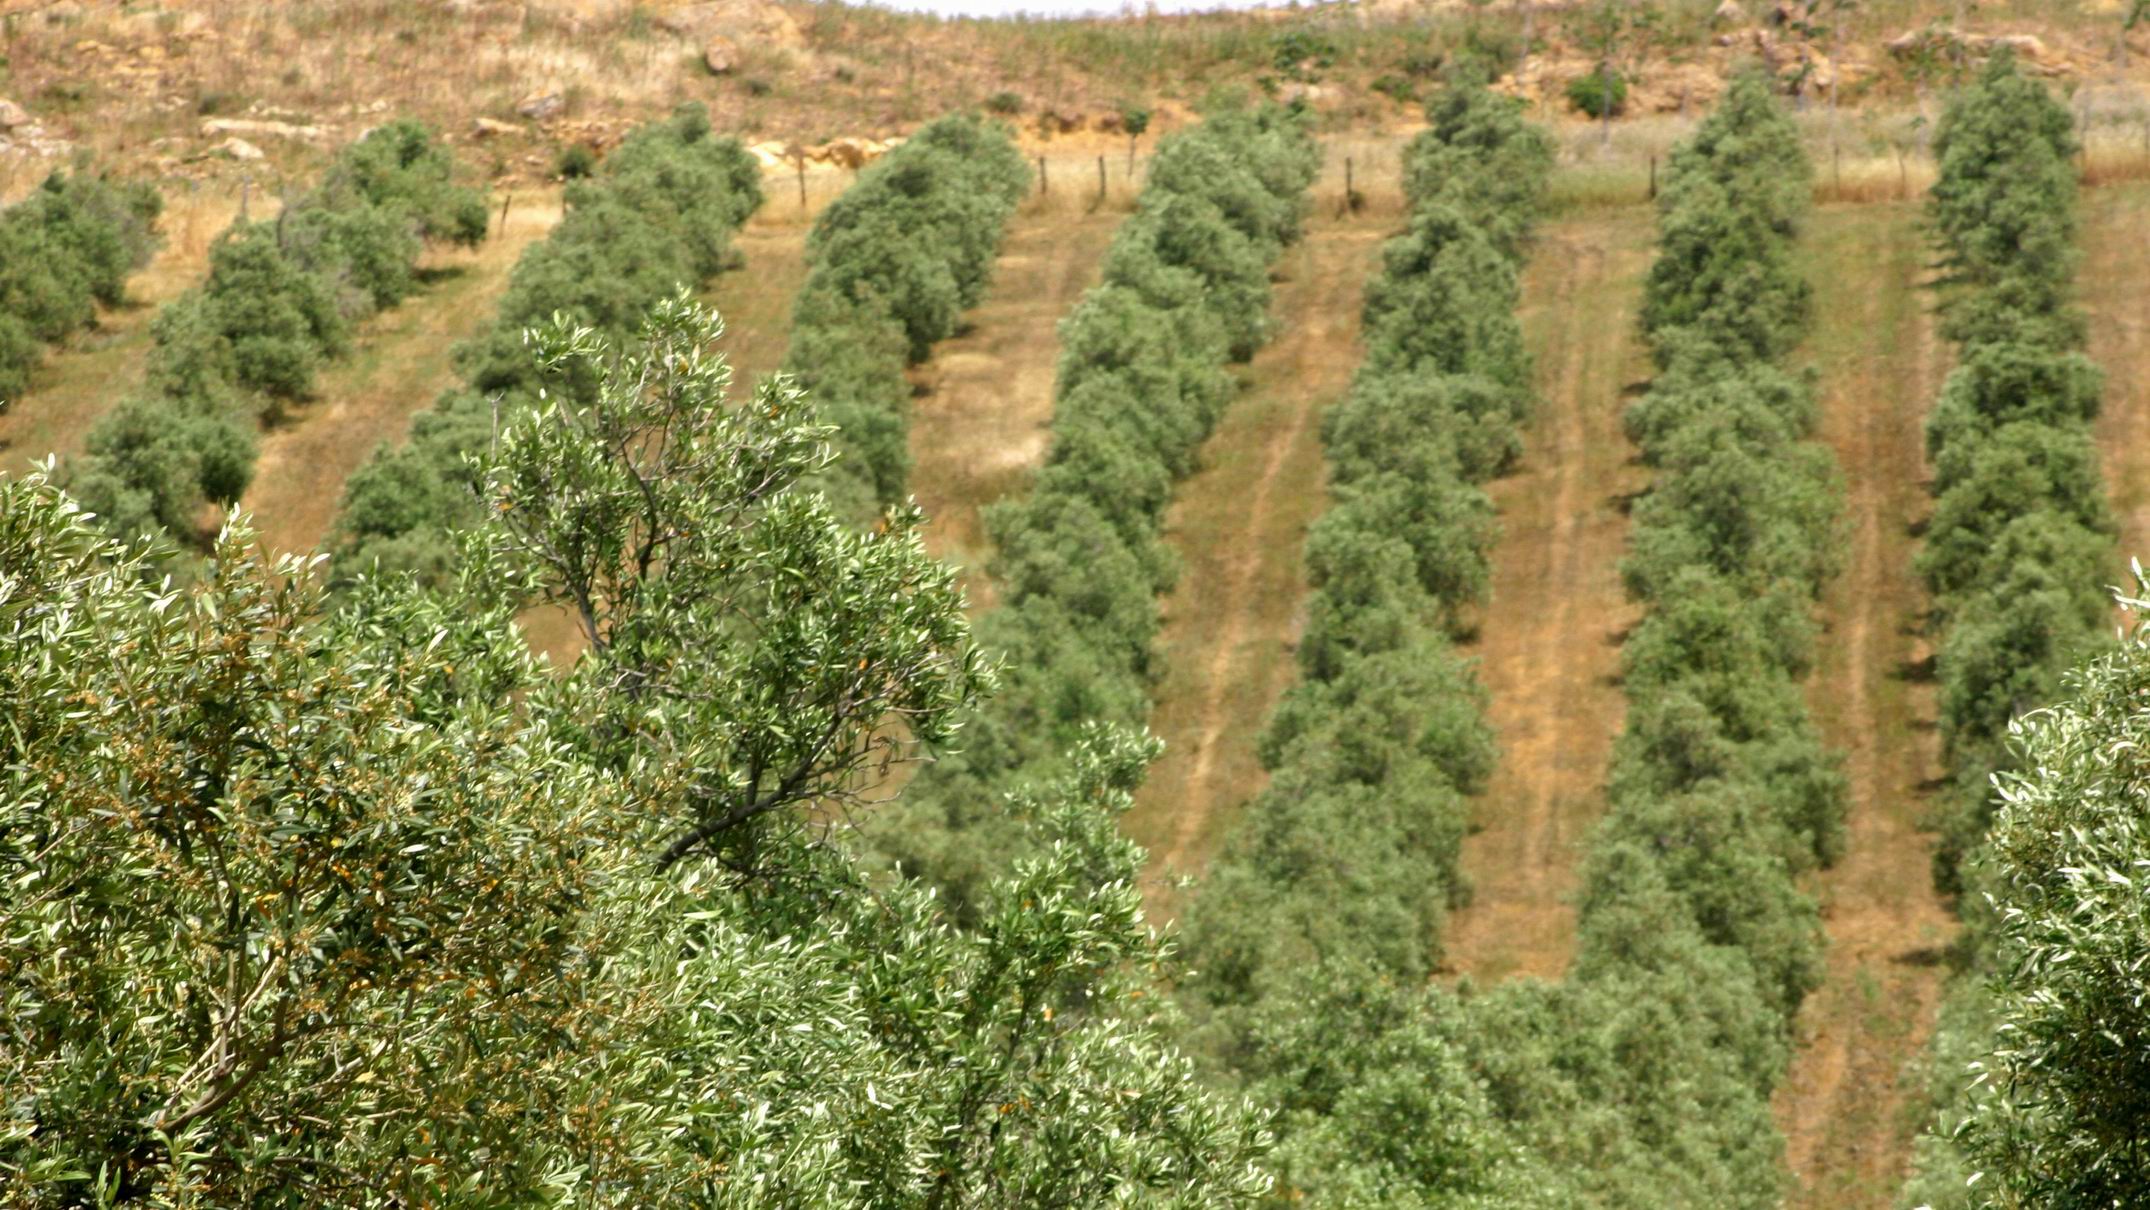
1549,645
1238,525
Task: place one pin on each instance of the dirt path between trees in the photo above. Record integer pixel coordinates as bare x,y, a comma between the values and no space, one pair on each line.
1548,648
1238,524
403,359
2115,286
1851,1103
980,424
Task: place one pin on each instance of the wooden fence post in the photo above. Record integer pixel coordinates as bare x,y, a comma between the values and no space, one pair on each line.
801,163
1653,176
1043,188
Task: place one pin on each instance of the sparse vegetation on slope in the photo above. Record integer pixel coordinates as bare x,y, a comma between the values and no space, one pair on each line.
659,214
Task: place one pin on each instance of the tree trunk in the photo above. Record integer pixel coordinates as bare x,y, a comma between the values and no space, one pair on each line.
1605,102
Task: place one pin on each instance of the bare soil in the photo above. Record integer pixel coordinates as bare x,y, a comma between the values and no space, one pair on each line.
2115,286
984,408
1548,649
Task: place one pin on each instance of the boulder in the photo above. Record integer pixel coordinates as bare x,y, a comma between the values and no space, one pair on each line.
2026,46
1729,13
1821,73
540,106
720,56
12,115
256,128
486,128
236,148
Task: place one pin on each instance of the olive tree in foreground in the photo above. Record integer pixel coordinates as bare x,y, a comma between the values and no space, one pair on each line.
359,907
2056,1117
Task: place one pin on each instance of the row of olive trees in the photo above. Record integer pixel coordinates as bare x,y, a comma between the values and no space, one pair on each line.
2040,1075
659,213
1644,1077
1696,942
354,904
279,300
1321,917
1081,560
65,250
892,266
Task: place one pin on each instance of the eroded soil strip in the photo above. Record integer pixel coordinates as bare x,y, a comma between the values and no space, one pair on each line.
1238,524
1849,1105
1549,645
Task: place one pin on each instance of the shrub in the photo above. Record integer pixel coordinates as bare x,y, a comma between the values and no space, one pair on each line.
1004,103
574,162
64,250
1599,93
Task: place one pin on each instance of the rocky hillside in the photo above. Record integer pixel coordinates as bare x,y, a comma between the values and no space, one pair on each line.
210,87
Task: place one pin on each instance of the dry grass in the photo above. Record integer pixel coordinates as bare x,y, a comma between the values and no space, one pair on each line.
2115,285
1238,525
1549,646
985,401
402,361
134,83
1848,1105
